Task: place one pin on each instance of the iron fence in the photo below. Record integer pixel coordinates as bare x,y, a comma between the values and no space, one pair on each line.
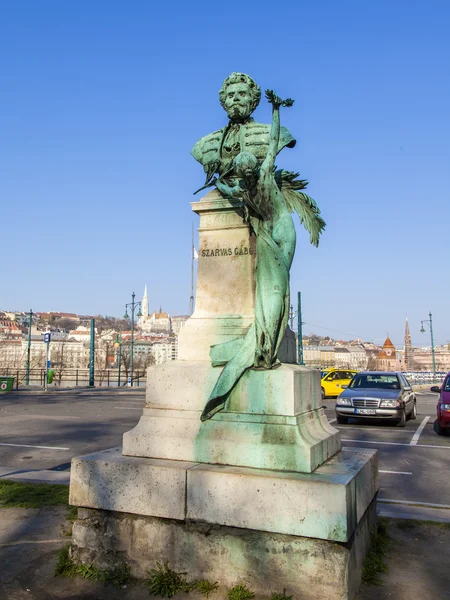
74,378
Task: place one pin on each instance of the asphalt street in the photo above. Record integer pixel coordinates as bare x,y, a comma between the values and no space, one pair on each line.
413,460
40,434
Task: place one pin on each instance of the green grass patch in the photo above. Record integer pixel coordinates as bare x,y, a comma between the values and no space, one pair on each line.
413,523
165,582
14,494
240,592
374,563
65,567
205,587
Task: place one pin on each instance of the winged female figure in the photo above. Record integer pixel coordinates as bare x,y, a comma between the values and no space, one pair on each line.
269,197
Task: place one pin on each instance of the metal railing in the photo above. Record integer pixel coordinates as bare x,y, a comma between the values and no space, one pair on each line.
73,378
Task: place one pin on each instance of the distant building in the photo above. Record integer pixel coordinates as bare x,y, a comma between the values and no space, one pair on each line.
422,359
319,356
63,354
81,334
157,322
9,330
386,359
165,350
351,357
178,322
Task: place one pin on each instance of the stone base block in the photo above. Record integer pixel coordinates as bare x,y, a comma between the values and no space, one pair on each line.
272,419
306,568
327,504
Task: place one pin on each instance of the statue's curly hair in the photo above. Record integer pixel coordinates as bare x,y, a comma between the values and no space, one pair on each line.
241,78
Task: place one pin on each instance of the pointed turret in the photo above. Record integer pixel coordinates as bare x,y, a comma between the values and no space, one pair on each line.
408,348
144,304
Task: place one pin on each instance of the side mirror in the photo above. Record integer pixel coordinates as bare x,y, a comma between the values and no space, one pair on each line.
344,387
436,389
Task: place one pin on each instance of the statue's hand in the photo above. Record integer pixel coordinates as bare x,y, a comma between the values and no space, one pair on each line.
273,98
276,101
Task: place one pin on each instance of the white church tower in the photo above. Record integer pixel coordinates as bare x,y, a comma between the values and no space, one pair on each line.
144,305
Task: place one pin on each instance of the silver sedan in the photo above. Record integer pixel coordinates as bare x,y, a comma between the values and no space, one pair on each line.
377,395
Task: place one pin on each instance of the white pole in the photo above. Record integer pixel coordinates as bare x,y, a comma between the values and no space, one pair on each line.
46,367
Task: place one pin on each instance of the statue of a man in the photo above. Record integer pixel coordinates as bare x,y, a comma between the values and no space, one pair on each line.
243,155
239,96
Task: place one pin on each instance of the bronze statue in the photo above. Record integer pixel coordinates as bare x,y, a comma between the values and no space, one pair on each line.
239,96
246,168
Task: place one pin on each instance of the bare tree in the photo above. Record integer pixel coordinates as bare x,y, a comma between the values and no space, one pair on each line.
372,363
60,359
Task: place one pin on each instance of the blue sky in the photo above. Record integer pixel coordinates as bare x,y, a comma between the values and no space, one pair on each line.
101,103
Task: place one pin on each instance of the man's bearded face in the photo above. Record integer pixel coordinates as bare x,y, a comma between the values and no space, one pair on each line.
238,101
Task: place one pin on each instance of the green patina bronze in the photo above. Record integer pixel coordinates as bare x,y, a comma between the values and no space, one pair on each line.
243,155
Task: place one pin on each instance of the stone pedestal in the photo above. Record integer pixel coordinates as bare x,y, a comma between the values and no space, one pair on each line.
225,294
271,530
272,420
260,494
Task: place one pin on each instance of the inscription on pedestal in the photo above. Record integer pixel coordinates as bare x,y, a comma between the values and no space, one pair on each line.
217,252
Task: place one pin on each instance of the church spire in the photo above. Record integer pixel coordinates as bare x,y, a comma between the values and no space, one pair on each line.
408,347
144,304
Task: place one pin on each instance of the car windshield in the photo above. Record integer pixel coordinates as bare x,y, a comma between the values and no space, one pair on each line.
375,381
447,385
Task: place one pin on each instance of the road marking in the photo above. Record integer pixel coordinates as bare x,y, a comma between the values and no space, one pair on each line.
379,429
396,472
28,446
332,421
416,436
128,407
375,442
412,503
396,444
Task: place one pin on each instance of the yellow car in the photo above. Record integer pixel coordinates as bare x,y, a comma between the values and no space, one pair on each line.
333,380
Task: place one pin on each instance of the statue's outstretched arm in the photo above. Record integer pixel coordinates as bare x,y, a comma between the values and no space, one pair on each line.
228,191
276,102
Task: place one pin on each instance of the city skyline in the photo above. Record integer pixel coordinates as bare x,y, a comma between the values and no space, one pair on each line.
425,342
96,194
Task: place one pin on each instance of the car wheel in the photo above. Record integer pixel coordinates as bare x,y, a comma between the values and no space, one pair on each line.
438,429
340,420
402,421
413,414
323,394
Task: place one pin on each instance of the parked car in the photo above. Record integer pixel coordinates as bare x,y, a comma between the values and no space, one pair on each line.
443,405
333,380
377,395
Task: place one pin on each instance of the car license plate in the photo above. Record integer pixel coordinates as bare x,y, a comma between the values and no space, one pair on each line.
365,411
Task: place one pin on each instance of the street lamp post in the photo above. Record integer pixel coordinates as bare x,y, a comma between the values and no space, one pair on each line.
292,314
30,323
133,305
118,344
422,330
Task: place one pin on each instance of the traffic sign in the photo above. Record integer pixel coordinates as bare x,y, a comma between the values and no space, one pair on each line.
48,364
47,338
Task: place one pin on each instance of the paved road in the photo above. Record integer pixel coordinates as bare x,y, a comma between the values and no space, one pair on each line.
40,433
413,460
